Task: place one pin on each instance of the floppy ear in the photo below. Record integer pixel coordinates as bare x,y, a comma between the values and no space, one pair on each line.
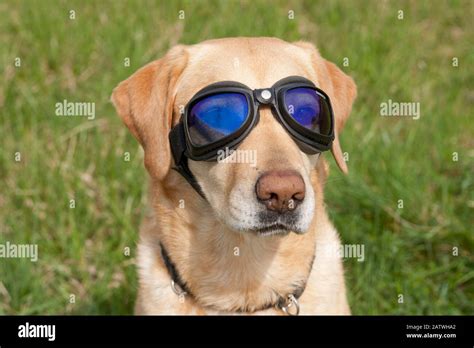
145,101
342,91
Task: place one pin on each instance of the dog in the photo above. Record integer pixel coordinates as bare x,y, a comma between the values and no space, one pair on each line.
218,239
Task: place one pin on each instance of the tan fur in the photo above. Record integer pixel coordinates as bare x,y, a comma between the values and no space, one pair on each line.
201,239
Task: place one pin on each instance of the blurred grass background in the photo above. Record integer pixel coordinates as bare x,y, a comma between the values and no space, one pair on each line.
408,251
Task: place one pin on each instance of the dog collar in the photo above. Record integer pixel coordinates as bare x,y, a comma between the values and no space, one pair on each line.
288,304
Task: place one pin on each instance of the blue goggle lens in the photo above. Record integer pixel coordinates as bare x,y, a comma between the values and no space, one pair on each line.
216,116
309,109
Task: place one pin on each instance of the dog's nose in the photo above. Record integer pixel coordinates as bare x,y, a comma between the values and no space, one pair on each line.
280,190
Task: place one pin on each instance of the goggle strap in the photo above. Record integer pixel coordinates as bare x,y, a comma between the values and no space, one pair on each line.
183,169
178,148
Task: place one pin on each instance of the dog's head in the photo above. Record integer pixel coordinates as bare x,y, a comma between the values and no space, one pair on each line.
265,186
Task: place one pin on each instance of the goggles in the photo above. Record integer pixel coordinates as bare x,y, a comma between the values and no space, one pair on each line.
221,115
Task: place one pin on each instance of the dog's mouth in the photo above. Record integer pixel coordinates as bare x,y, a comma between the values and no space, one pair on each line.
272,224
265,222
273,230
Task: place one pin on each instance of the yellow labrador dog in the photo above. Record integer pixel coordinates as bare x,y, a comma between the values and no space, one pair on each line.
243,234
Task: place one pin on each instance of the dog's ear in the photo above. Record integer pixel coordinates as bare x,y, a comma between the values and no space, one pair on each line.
145,101
342,91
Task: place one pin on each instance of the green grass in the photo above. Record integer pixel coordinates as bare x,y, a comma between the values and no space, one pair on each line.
81,251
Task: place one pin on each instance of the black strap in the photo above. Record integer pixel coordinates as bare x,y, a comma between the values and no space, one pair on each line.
178,148
173,271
